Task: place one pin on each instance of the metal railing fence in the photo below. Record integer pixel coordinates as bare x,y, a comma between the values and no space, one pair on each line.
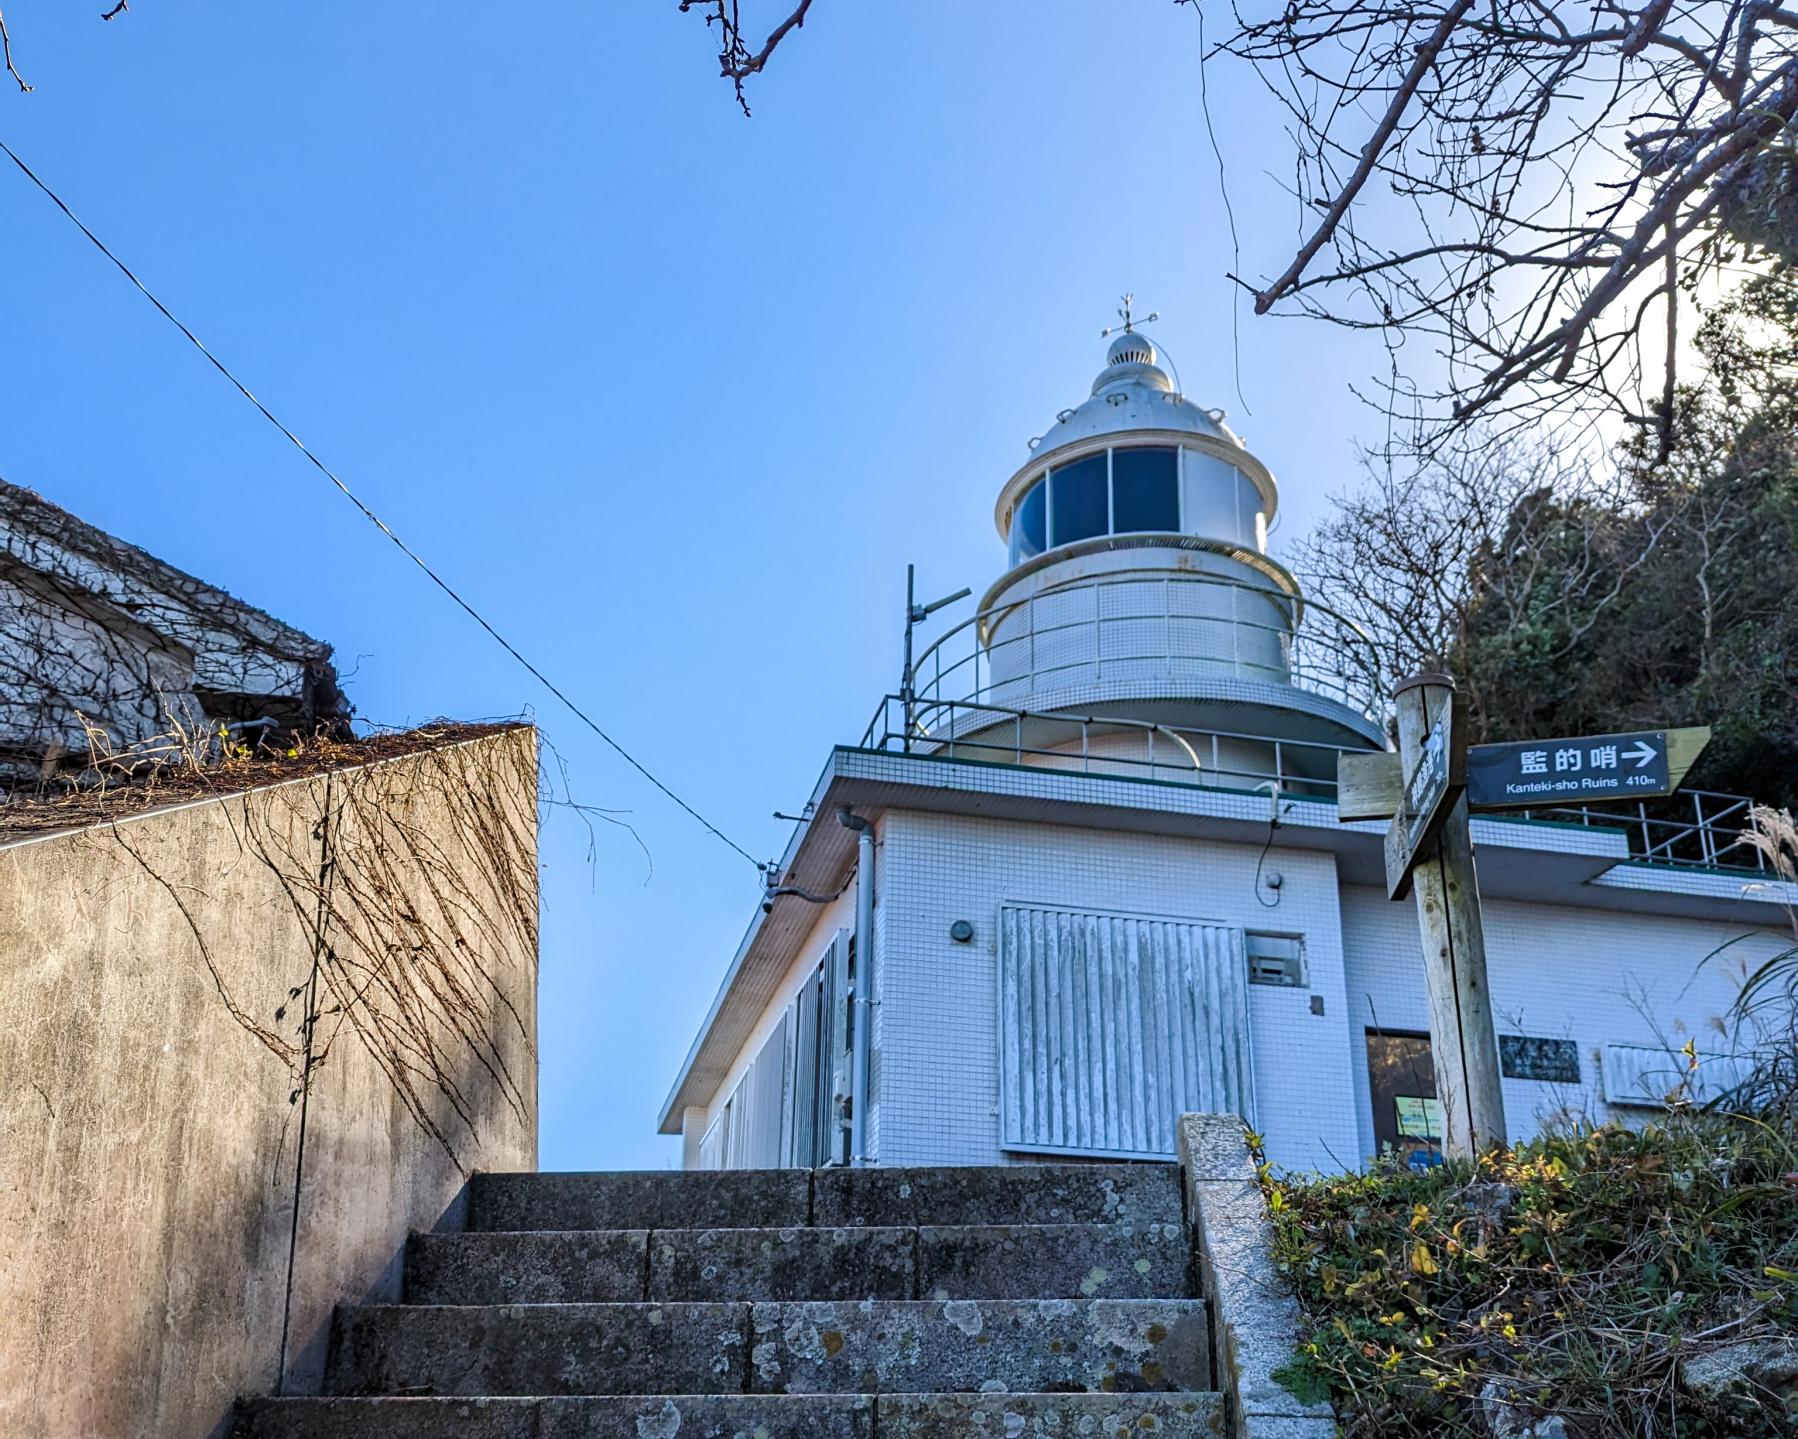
977,732
1152,623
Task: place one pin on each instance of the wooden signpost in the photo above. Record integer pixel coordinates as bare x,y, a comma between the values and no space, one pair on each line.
1434,859
1432,780
1429,789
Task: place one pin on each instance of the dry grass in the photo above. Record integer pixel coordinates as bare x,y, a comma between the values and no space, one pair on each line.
185,767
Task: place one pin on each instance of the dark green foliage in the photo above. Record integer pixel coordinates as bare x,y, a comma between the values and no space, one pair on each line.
1672,597
1760,207
1578,1270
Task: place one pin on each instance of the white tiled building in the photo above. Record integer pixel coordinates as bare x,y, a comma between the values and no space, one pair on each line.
1094,841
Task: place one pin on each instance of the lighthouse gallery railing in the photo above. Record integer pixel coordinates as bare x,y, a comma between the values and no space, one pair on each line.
948,708
1149,625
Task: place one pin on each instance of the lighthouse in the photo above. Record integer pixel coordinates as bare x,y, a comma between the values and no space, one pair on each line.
1085,870
1140,625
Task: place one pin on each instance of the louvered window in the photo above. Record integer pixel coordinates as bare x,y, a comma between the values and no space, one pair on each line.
1113,1025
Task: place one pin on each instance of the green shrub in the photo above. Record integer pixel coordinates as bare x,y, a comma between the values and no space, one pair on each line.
1579,1269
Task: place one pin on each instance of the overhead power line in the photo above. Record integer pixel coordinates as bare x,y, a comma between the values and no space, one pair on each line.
371,516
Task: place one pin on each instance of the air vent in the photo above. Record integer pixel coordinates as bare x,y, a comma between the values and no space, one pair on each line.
1130,348
1276,959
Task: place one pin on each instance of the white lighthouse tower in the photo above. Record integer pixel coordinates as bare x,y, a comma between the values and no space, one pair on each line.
1086,870
1141,624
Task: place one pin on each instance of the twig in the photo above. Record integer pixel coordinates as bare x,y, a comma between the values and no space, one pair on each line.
1370,154
6,50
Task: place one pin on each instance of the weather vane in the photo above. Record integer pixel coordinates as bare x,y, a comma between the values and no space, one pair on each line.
1129,323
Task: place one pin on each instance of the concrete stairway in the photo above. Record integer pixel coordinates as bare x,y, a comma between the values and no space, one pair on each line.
783,1304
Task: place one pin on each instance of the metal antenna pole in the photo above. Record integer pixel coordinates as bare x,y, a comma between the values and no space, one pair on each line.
905,678
916,614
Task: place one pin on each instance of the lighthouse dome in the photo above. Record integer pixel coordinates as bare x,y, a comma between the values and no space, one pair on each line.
1132,392
1139,588
1135,457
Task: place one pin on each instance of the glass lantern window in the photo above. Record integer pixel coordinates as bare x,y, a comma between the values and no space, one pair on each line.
1079,506
1145,490
1030,524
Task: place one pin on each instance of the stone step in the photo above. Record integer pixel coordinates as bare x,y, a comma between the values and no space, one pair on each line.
1055,1261
975,1345
1141,1193
1058,1261
1196,1415
1001,1194
637,1416
834,1416
430,1349
642,1199
549,1266
865,1346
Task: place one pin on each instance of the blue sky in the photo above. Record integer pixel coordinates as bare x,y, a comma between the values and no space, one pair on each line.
673,396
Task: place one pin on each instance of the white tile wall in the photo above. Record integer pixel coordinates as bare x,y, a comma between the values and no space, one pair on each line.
936,1031
1593,976
1587,975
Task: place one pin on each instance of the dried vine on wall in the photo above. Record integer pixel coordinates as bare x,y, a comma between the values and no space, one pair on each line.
413,879
428,888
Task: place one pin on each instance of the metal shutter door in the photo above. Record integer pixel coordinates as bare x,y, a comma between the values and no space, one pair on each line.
1112,1026
766,1086
753,1117
711,1146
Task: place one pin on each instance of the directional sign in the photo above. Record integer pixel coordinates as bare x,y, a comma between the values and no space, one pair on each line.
1548,772
1424,801
1649,763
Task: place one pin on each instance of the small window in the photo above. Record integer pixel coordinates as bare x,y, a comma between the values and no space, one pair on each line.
1145,490
1079,507
1276,959
1029,525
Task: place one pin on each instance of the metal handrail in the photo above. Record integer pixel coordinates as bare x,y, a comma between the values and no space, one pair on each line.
1718,828
967,729
1341,664
970,731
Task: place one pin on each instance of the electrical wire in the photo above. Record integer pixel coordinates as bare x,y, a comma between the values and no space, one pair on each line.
1260,860
1223,189
1273,826
375,519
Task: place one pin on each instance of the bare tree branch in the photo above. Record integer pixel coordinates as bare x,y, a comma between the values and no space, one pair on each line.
1519,184
1370,153
736,61
6,52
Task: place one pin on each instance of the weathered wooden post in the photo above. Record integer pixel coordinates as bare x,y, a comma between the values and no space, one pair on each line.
1428,788
1463,1039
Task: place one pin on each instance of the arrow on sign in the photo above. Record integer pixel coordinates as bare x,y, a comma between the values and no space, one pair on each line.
1641,754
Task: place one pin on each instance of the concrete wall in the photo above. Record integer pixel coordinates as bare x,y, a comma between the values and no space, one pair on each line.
153,983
